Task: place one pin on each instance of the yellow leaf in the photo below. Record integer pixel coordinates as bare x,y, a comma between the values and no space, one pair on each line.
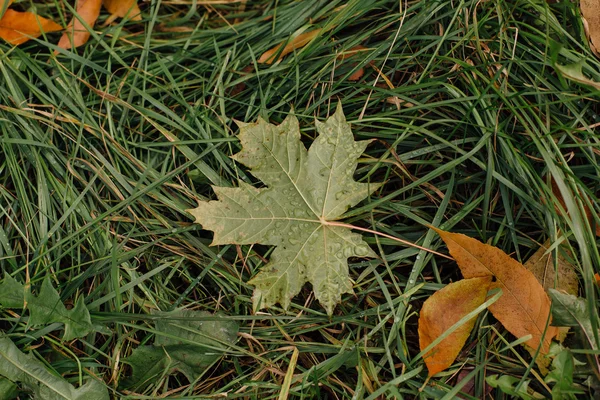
77,34
442,310
590,11
296,43
18,27
123,9
524,307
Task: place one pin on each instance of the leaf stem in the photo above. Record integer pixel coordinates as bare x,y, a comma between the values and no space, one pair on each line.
406,242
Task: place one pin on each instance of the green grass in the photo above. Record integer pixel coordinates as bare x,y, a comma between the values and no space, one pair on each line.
102,150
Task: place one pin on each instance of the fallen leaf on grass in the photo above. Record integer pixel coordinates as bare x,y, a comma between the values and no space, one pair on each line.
12,293
541,264
524,307
569,310
590,11
351,53
122,9
442,310
19,27
469,387
47,308
268,57
77,34
572,311
306,191
561,200
185,341
35,376
574,72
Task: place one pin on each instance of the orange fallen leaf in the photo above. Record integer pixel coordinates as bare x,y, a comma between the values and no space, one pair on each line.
524,307
77,34
351,53
122,9
442,310
357,75
268,57
18,27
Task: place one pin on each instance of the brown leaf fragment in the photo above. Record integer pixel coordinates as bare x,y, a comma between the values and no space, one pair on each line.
469,387
442,310
541,264
351,53
18,27
268,57
590,12
357,75
122,9
586,209
524,307
77,34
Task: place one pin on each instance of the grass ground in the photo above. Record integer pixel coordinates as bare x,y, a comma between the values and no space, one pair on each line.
102,150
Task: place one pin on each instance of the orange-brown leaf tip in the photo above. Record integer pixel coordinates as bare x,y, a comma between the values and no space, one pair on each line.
524,307
123,9
352,52
441,311
357,75
19,27
77,34
268,57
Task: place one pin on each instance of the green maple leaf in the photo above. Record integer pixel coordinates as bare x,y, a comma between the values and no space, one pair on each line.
185,343
306,192
47,308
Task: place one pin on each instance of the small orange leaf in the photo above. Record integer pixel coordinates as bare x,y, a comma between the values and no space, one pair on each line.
524,307
351,53
123,9
442,310
18,27
77,34
357,75
296,43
